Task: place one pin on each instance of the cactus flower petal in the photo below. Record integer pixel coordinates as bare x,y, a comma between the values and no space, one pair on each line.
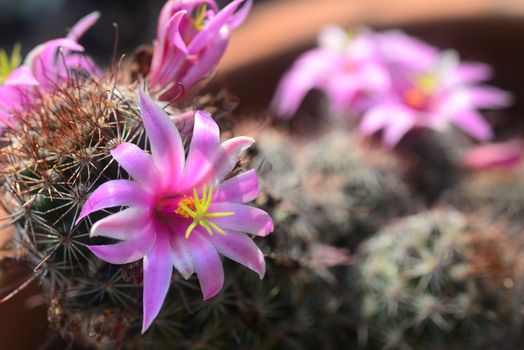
132,249
247,219
240,248
473,123
182,256
136,162
207,264
157,278
114,193
166,144
241,188
122,225
205,142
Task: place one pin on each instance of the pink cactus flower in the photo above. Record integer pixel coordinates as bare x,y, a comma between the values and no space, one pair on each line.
45,66
192,36
345,67
436,97
181,212
54,61
503,155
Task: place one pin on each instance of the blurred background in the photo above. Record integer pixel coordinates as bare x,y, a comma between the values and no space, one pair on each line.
490,31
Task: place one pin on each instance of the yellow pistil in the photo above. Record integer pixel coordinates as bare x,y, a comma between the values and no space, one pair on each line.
196,208
9,64
199,16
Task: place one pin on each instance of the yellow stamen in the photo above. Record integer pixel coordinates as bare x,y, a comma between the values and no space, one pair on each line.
196,208
9,64
199,17
427,83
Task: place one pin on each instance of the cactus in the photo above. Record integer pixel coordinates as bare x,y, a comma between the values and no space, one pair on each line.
440,279
495,192
335,188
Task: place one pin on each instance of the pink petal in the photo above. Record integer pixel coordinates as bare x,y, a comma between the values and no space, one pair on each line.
227,156
308,72
166,144
114,193
207,264
83,25
246,219
400,124
173,31
213,27
488,97
474,124
472,72
138,163
122,225
46,51
240,16
241,188
374,120
181,256
240,248
204,145
158,270
128,251
505,155
21,76
207,61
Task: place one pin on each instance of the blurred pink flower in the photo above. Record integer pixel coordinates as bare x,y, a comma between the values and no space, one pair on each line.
192,36
181,211
435,96
345,66
45,66
503,155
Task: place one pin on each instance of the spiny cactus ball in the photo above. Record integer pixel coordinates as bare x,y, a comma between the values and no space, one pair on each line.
440,279
335,188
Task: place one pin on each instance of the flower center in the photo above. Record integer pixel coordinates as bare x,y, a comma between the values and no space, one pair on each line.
419,95
196,208
9,64
198,17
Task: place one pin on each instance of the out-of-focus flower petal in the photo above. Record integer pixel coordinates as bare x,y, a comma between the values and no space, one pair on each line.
307,72
83,25
240,248
375,119
246,219
158,270
173,31
21,76
488,97
474,124
397,129
213,27
472,72
504,155
208,60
